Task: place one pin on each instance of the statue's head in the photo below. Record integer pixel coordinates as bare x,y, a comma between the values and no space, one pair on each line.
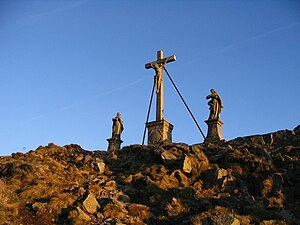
212,91
118,114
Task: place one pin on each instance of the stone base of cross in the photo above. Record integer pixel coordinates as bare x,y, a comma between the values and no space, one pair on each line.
214,131
159,132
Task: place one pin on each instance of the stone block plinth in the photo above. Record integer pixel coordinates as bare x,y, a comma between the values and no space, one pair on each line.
214,131
114,144
159,131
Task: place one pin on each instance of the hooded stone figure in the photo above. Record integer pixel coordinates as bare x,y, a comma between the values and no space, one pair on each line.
215,105
117,127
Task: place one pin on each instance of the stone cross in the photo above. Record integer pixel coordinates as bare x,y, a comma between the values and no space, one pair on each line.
158,66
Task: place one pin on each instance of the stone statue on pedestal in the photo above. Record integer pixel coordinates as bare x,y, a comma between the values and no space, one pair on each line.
214,131
114,143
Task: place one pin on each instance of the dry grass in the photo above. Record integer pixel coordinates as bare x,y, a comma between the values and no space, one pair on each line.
112,210
3,192
175,207
276,201
267,186
208,193
62,200
139,211
8,209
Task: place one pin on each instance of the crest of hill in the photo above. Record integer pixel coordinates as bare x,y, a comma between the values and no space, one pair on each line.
248,180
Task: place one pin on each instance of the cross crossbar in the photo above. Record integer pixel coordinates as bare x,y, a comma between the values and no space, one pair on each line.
161,61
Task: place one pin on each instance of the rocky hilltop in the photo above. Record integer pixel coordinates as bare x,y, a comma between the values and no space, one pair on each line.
249,180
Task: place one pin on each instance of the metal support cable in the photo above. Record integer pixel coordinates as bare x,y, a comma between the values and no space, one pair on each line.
184,103
148,114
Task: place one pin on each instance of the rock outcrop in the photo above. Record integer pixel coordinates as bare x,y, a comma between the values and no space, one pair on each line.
249,180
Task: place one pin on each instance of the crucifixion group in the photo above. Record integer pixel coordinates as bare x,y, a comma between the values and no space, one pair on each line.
160,130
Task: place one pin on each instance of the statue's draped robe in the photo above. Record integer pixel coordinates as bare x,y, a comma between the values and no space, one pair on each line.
117,127
215,105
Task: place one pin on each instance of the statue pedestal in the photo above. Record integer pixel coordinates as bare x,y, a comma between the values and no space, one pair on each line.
114,144
214,132
159,131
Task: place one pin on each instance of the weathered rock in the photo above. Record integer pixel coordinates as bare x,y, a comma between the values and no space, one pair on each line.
122,197
187,164
278,181
90,203
119,222
39,206
273,222
171,154
87,159
110,221
110,185
213,177
221,219
79,158
200,161
82,215
175,179
99,165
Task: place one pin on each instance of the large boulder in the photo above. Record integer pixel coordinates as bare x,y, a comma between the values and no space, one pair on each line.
90,203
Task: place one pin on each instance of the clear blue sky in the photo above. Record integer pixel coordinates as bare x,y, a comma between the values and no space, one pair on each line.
67,68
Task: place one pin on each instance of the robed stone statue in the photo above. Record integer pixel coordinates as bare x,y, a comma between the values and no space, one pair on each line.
215,105
117,127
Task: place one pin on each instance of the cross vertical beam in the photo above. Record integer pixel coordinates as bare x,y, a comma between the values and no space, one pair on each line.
159,89
158,66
